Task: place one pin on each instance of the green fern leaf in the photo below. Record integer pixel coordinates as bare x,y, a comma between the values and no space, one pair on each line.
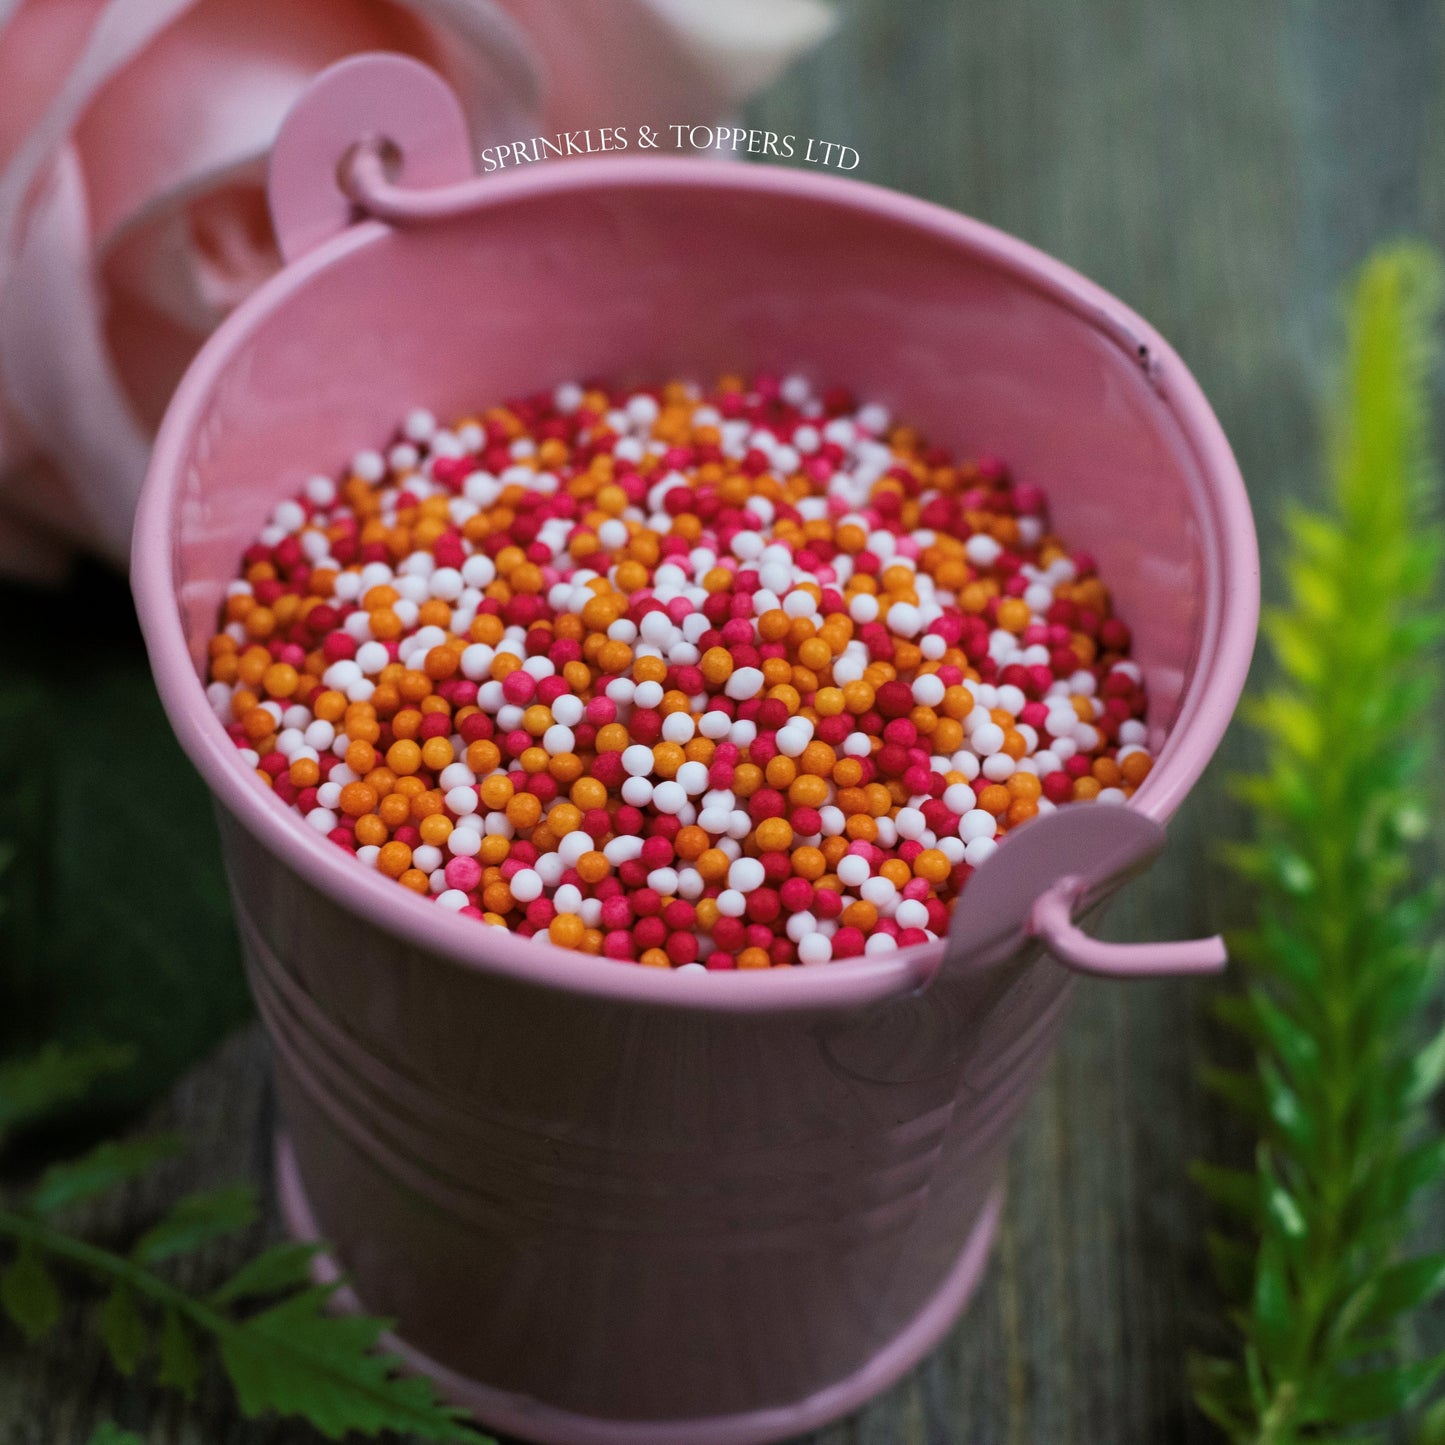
1343,957
32,1087
29,1295
195,1221
122,1330
107,1165
295,1358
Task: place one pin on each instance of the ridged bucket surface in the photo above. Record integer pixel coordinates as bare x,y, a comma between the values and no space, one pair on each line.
613,1204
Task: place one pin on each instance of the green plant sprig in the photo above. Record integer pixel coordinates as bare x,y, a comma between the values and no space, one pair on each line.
279,1344
1341,962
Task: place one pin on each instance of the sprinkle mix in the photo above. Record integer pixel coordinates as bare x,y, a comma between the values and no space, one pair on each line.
734,680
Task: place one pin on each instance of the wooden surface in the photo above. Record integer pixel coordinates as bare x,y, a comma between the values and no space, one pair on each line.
1220,166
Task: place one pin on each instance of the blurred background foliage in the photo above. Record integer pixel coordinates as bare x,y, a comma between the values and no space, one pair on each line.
116,924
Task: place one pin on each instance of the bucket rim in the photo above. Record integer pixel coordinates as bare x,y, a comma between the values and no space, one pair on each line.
1216,679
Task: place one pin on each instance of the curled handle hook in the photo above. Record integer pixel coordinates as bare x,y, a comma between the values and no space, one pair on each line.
1051,920
391,110
364,176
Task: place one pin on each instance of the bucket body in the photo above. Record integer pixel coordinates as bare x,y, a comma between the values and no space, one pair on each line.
631,1214
609,1203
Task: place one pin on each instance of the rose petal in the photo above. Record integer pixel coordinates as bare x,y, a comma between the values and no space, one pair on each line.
132,143
745,45
658,62
57,375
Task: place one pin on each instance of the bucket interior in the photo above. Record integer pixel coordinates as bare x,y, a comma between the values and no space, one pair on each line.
631,282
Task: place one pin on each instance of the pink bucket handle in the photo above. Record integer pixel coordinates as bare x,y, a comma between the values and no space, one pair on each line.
1051,920
1053,867
393,110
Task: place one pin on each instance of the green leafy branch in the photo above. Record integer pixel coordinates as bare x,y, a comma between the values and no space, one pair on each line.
1341,963
279,1343
109,1433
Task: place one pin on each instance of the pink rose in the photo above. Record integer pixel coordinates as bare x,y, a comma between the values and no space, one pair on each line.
133,137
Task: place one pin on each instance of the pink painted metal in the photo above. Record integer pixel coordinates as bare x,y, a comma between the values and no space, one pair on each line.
605,1203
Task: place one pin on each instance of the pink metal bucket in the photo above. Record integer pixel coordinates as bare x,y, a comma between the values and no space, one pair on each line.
606,1203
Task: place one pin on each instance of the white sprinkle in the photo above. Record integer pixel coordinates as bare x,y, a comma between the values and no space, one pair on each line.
623,850
986,739
879,891
715,725
692,775
477,661
341,675
746,875
910,823
669,797
368,466
637,760
928,689
320,490
744,684
959,798
815,948
904,619
982,550
446,583
791,741
568,709
371,657
479,570
677,727
558,739
526,885
664,881
637,791
911,914
463,800
976,824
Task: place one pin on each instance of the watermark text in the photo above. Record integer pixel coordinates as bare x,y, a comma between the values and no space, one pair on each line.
733,140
